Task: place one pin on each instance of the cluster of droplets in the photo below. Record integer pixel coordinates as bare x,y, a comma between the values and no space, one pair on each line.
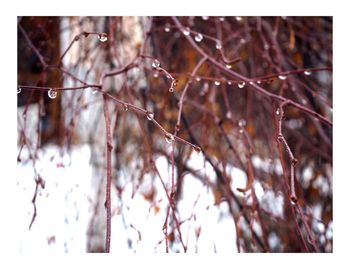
52,93
103,37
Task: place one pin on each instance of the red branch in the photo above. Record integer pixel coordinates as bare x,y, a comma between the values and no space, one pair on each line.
109,173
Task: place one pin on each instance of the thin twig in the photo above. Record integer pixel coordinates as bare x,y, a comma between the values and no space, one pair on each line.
109,148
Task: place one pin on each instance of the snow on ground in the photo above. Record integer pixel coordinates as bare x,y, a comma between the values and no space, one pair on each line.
64,208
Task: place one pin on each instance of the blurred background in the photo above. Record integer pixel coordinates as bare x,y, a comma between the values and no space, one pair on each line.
233,195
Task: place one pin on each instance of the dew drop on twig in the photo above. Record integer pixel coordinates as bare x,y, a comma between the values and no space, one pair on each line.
197,149
217,82
218,45
198,79
259,82
307,72
94,90
155,63
186,31
221,18
103,37
171,89
241,123
169,138
241,84
150,115
277,111
198,37
167,28
205,18
228,66
229,82
126,107
52,93
238,18
19,90
282,77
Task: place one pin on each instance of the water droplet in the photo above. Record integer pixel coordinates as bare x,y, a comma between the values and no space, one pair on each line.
52,93
19,90
266,46
171,89
218,45
205,18
198,79
103,37
155,63
174,83
167,28
304,101
186,31
229,82
243,40
155,74
241,84
150,115
307,72
217,83
241,123
238,18
228,66
259,82
293,200
240,130
251,82
229,115
196,149
126,107
277,111
198,37
169,138
222,19
282,77
94,90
